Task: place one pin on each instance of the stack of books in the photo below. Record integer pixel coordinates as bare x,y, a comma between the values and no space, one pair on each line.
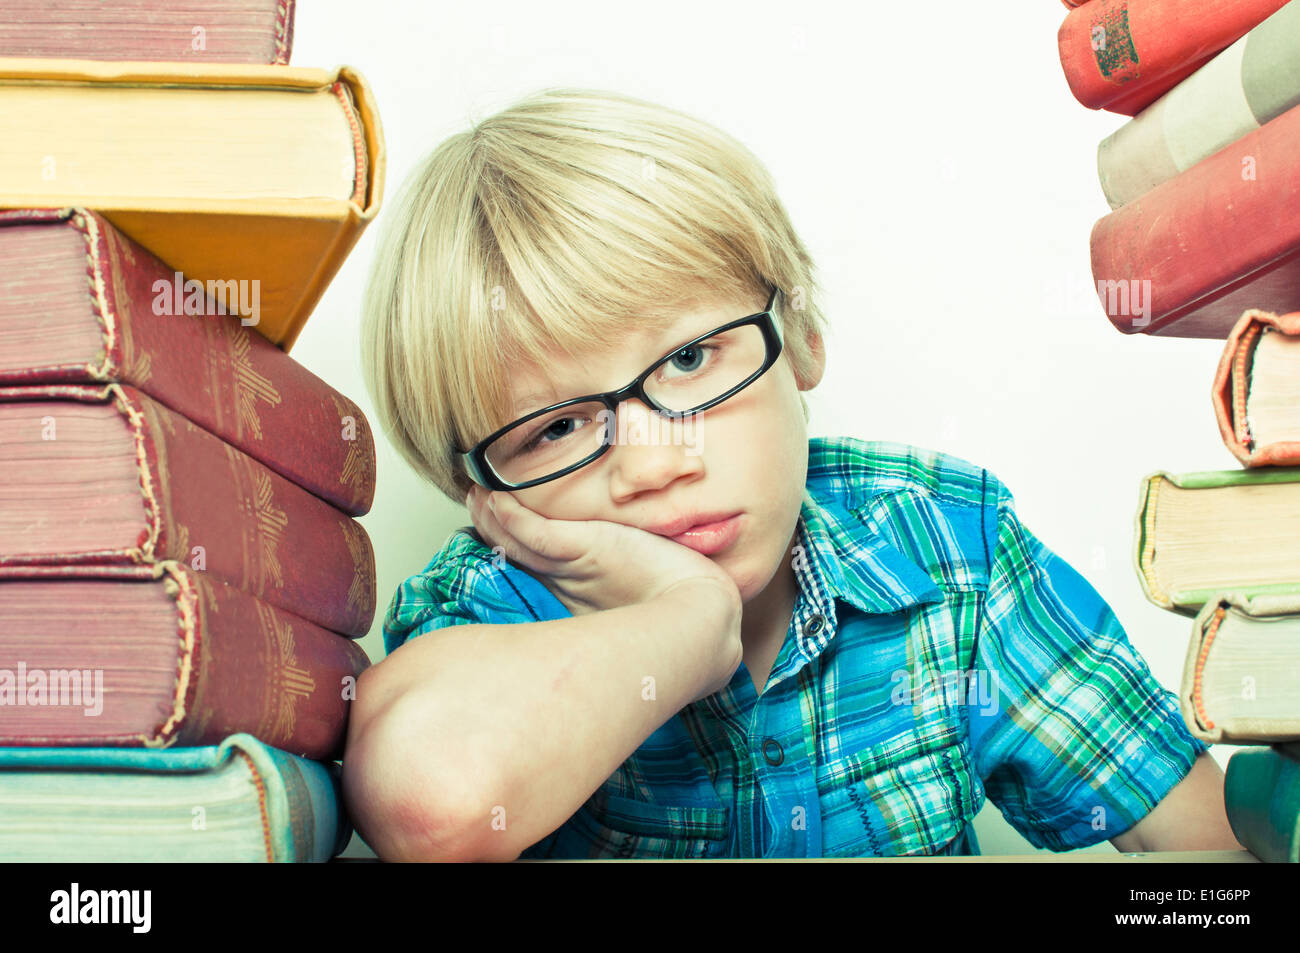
1225,546
182,574
1204,180
1203,241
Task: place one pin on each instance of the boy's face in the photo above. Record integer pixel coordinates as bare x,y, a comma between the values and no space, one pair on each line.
747,455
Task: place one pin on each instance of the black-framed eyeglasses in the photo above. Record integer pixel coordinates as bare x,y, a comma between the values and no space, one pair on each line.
541,447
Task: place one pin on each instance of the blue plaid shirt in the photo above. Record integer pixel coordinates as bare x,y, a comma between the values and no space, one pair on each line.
938,654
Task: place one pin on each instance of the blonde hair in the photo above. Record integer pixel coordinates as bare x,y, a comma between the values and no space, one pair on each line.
548,226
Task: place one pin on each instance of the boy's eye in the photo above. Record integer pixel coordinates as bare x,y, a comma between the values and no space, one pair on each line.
689,359
550,432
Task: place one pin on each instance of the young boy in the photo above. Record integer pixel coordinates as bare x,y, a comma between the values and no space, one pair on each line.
679,627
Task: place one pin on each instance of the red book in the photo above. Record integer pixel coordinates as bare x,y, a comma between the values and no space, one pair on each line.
81,303
156,656
215,31
109,476
1123,55
1188,258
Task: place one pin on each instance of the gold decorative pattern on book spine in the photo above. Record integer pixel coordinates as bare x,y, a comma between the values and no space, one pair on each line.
249,385
362,587
355,469
290,682
262,523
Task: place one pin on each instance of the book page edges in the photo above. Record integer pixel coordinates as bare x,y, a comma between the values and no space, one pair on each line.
1144,537
21,69
1246,601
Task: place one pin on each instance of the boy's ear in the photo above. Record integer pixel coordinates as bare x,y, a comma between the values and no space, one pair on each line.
817,353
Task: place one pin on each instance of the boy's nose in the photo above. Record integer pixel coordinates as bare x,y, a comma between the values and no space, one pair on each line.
649,456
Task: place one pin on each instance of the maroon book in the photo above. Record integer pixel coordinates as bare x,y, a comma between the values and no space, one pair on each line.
80,303
214,31
1192,255
107,475
156,656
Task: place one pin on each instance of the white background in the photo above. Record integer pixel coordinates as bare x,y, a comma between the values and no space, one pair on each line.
944,179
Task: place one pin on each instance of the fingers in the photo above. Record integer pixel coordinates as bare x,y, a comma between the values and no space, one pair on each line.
497,533
550,540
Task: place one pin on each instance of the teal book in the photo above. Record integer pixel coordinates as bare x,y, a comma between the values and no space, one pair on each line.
1261,791
238,801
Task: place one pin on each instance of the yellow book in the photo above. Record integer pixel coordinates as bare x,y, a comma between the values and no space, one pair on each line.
265,175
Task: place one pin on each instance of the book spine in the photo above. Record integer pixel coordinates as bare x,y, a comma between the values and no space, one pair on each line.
1234,220
1250,83
1144,538
219,511
284,17
1225,725
1232,388
1261,793
1140,49
254,668
303,803
223,375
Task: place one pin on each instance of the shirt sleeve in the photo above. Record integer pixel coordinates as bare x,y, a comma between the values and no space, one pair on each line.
1076,741
466,583
434,599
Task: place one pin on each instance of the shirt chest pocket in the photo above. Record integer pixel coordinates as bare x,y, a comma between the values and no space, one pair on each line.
909,796
624,827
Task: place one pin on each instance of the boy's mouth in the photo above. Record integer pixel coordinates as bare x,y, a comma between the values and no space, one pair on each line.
710,537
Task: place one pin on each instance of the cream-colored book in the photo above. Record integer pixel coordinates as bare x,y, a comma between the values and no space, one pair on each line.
226,172
1197,534
1241,679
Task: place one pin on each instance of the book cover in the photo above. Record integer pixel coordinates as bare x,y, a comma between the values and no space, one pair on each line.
1190,256
1241,677
1253,81
1261,792
237,801
205,165
1235,390
1197,534
1122,55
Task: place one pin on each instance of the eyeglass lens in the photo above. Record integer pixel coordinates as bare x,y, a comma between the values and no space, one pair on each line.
690,378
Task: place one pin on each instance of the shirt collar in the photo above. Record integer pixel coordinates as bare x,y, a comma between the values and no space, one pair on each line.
841,557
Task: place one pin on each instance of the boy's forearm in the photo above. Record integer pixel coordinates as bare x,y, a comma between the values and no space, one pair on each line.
496,734
1191,816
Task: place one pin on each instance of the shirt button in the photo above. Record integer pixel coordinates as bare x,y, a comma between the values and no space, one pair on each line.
814,625
772,752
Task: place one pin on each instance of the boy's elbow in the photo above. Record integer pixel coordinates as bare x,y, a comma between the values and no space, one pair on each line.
401,802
